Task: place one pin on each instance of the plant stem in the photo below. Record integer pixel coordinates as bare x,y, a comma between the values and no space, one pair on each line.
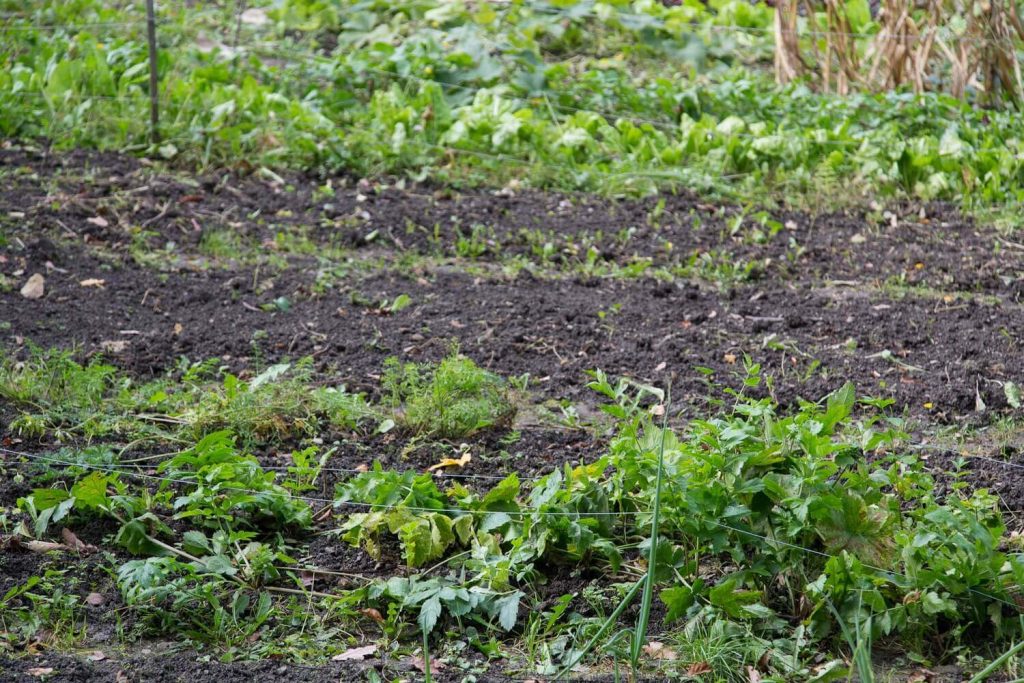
426,658
640,634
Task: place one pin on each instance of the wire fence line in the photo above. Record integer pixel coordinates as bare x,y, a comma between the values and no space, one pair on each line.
890,573
440,474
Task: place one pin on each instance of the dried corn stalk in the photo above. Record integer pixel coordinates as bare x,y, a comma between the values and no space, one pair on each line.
956,46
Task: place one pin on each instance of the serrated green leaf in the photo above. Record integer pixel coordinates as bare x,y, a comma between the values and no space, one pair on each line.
91,491
219,564
195,542
677,599
508,612
417,541
429,614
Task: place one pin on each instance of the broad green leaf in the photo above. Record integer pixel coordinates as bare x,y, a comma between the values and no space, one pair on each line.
509,611
48,498
1012,392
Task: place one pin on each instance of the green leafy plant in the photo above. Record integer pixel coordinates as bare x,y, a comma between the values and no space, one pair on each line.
224,487
407,506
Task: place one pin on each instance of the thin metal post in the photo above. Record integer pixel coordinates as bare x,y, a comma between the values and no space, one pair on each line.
154,96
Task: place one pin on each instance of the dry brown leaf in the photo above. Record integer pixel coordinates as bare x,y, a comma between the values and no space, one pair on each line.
73,542
436,666
95,599
96,656
355,654
93,282
451,462
178,329
753,675
98,221
921,676
656,650
42,546
372,613
40,671
698,669
729,358
34,287
121,677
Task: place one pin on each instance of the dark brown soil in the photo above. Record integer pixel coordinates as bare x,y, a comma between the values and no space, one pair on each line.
922,306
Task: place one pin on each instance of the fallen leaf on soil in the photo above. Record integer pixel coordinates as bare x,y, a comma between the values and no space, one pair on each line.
121,677
729,358
656,650
93,282
451,462
35,287
921,676
73,542
40,671
435,665
114,345
98,221
178,329
658,410
95,599
355,654
753,675
698,669
42,546
96,656
372,613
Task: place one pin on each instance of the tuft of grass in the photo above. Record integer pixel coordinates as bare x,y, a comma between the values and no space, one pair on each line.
452,400
52,378
52,391
277,404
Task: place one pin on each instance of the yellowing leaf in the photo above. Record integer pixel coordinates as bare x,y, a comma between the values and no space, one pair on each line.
451,462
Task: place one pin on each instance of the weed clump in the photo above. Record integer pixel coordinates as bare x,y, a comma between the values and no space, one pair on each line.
452,400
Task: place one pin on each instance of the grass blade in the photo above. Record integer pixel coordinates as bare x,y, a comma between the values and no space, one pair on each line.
640,634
